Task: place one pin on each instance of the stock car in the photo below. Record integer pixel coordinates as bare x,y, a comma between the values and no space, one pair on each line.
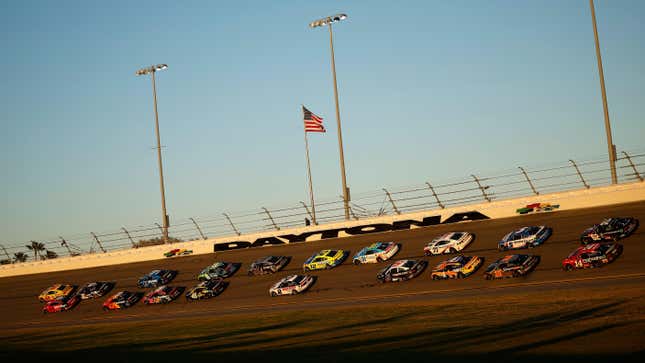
207,289
268,265
592,255
376,252
450,242
56,291
156,278
402,270
610,229
457,267
163,294
325,259
121,300
292,285
178,252
219,269
511,266
62,303
95,289
525,237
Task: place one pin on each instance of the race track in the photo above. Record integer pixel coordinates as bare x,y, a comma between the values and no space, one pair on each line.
346,284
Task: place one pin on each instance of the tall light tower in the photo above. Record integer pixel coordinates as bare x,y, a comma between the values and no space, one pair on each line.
322,22
610,144
152,70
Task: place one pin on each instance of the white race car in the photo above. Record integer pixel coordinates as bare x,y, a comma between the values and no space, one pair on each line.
451,242
376,252
292,285
525,237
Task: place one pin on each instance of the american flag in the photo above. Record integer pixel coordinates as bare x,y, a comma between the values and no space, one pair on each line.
313,123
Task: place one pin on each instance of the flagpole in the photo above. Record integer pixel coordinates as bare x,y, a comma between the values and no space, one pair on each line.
311,188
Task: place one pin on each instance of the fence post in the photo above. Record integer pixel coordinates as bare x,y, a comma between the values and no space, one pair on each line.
483,189
6,253
98,241
160,228
435,196
64,244
529,180
198,229
633,166
579,174
134,245
271,218
309,212
391,201
351,210
231,223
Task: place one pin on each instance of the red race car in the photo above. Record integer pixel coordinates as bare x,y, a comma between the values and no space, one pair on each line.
163,294
592,255
62,303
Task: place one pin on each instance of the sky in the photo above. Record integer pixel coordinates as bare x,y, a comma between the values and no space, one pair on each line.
428,90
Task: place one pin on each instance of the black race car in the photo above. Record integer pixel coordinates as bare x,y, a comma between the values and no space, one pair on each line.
95,289
402,270
610,229
268,265
207,289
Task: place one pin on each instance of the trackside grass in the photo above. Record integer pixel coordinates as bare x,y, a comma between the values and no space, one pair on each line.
597,325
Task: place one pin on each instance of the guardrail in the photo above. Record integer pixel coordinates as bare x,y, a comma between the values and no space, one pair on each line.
394,201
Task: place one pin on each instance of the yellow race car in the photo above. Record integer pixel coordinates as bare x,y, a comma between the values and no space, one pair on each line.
56,291
325,259
457,267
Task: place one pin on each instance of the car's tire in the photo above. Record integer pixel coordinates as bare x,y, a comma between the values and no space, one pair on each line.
516,274
452,250
273,294
488,277
568,267
426,253
460,275
327,267
379,259
435,277
357,262
294,292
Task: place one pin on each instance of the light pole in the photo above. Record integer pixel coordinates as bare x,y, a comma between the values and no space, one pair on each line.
152,70
610,144
322,22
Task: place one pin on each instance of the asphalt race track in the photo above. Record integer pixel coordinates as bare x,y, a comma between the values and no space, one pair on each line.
346,284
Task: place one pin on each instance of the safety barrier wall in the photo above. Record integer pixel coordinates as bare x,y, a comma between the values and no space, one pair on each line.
569,200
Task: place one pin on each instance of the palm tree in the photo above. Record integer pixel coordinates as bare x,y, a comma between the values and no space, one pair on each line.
20,257
37,247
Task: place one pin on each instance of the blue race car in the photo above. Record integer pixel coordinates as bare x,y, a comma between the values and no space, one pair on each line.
376,252
525,237
156,278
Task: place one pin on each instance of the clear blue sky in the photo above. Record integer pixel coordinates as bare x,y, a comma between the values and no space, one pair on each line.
429,90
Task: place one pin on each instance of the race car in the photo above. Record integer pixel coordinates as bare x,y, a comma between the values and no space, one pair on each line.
163,294
457,267
219,269
207,289
610,229
292,285
61,303
178,252
56,291
592,255
511,266
451,242
402,270
525,237
156,278
95,289
268,265
325,259
122,300
376,252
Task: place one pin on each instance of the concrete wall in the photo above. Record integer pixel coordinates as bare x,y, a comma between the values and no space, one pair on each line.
584,198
